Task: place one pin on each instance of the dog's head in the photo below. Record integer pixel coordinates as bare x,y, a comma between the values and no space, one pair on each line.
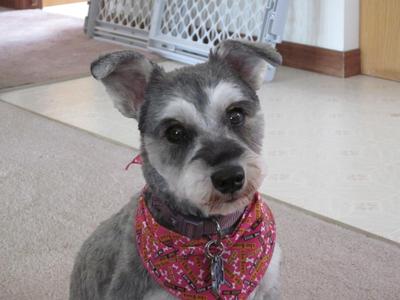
201,126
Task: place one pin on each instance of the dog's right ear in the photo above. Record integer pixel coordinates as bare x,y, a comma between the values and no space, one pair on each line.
125,75
248,60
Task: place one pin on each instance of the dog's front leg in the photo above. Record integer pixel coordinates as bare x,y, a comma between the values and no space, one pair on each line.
269,288
158,293
142,287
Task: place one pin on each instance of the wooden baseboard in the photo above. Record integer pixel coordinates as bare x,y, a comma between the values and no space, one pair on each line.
330,62
21,4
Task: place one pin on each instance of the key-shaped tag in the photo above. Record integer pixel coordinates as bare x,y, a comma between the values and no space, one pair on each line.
217,273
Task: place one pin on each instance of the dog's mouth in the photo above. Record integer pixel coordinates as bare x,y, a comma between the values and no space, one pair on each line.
223,203
231,199
238,196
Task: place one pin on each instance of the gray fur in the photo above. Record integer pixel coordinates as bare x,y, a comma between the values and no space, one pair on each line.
246,58
108,265
215,152
124,75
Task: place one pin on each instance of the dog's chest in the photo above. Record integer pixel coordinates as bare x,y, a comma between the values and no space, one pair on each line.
180,266
161,294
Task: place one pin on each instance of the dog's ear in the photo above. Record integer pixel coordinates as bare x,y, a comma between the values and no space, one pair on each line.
125,75
249,60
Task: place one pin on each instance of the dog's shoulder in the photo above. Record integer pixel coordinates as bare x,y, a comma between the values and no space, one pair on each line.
110,234
105,256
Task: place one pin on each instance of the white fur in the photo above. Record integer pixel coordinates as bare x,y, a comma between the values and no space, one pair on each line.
221,97
183,111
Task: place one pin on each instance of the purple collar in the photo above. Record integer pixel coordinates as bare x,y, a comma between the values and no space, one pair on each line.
191,226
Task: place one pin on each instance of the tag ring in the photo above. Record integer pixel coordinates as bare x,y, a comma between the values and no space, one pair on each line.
218,245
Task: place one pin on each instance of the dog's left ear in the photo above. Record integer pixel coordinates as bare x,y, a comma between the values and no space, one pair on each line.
125,75
249,60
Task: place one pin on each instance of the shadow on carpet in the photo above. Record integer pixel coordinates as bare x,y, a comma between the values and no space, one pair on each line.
38,47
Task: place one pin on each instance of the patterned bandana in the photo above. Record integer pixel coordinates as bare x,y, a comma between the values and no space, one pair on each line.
180,265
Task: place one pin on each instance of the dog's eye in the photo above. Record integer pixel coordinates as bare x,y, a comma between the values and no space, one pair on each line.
236,116
176,134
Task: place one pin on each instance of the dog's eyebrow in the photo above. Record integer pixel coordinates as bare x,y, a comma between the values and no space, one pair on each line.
227,94
165,123
249,107
182,111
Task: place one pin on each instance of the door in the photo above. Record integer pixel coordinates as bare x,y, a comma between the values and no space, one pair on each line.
380,38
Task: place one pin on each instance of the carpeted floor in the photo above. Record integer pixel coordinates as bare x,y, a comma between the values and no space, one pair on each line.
37,47
58,183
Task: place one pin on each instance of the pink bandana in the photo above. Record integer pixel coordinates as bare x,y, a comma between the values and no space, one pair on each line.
180,265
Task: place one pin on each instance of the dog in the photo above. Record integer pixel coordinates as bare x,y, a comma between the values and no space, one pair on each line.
199,229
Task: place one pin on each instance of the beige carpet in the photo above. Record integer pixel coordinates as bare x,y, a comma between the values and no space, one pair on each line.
37,47
57,183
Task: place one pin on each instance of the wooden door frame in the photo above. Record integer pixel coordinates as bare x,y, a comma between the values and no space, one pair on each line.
379,38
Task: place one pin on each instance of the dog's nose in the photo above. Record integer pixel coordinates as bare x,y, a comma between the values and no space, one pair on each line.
229,179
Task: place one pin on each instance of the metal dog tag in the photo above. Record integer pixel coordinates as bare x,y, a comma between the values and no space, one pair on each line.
217,273
214,250
217,264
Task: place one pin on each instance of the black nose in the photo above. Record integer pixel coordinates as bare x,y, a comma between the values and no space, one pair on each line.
229,179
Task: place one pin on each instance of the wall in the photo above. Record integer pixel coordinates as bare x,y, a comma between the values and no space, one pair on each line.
331,24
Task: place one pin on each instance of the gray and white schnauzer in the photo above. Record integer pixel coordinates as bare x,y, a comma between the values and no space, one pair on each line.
198,230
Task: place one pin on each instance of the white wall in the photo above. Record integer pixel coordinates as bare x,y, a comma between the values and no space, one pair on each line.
331,24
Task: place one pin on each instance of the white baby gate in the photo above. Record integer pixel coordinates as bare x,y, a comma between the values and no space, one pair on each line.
186,30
